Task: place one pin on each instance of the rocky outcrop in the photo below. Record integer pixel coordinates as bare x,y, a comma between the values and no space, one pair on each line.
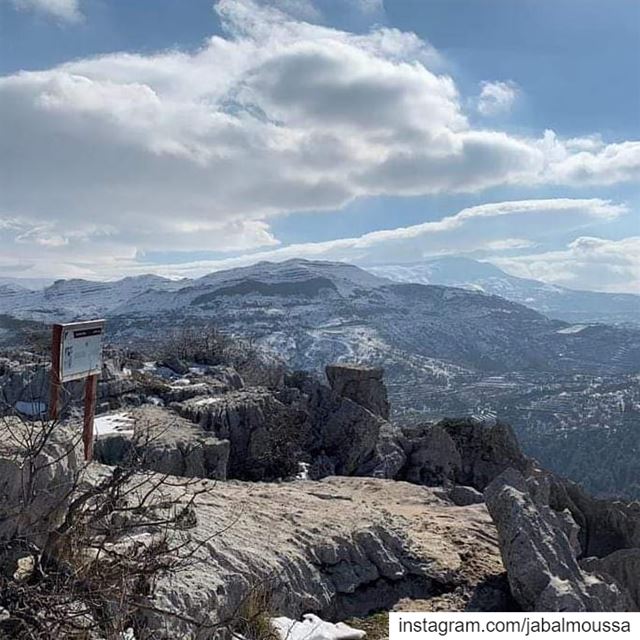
432,456
486,449
538,555
363,385
168,385
344,434
337,547
162,441
267,437
621,567
24,386
39,467
465,452
605,525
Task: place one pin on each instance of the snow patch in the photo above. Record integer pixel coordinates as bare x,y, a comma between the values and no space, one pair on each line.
314,628
574,328
113,423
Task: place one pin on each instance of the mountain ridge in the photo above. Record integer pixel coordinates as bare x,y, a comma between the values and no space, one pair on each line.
563,303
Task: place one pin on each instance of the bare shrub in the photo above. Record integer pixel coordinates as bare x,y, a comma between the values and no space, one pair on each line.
81,549
252,619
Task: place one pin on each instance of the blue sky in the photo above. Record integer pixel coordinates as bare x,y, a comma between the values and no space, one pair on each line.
136,143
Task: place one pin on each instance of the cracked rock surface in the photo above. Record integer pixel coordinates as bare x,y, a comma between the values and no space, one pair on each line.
338,547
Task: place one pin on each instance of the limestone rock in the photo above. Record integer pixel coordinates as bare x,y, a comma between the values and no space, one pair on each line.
623,567
32,503
337,548
486,449
364,385
177,365
465,451
342,431
465,496
26,384
541,566
433,457
164,442
605,525
266,436
389,456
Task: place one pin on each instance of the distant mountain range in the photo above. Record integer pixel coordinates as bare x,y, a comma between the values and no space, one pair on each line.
315,311
553,301
447,351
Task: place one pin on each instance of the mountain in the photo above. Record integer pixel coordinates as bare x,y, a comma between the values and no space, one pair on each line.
447,351
27,283
553,301
66,300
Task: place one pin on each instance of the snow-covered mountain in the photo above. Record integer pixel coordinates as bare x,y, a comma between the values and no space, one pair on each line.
446,350
312,312
554,301
66,300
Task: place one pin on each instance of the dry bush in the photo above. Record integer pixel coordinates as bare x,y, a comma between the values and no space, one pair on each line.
252,619
88,549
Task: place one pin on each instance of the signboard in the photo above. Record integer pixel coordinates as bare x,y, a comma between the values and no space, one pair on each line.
81,350
76,352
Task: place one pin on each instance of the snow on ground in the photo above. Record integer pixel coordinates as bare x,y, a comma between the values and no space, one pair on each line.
574,328
314,628
113,423
206,401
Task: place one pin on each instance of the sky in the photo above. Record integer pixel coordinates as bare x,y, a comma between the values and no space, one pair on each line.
184,136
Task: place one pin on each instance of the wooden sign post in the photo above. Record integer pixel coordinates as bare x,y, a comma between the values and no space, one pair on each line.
76,353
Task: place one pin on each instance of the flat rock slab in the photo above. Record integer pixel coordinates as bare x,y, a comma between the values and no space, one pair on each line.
338,547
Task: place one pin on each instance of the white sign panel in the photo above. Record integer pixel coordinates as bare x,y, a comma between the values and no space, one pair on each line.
81,350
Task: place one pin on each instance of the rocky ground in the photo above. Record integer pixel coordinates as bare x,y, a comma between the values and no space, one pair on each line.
306,492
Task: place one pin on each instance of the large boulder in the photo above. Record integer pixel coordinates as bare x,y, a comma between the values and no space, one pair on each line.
540,560
433,458
486,448
160,440
364,385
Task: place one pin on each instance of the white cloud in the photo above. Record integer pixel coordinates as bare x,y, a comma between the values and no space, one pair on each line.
66,10
497,97
198,151
479,228
586,161
586,263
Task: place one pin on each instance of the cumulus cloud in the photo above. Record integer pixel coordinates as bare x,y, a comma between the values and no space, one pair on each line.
497,97
590,263
200,150
65,10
